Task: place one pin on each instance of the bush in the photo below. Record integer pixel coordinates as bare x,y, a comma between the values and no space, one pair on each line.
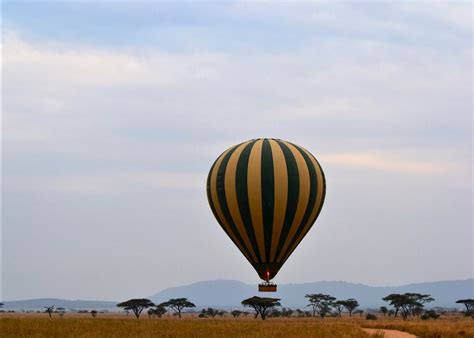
431,314
371,316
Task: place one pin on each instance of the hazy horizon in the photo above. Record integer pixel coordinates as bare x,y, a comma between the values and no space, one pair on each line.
246,283
113,114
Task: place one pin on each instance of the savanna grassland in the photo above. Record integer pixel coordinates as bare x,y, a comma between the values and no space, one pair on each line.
121,326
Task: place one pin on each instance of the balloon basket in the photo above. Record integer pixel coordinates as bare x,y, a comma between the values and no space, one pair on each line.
267,287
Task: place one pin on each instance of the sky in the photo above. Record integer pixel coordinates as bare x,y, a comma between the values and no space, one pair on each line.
113,113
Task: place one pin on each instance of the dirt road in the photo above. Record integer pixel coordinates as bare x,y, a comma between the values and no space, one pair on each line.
390,333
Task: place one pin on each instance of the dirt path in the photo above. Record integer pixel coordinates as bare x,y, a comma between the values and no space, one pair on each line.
390,333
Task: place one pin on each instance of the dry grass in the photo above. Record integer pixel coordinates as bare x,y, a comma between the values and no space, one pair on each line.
186,327
443,328
121,326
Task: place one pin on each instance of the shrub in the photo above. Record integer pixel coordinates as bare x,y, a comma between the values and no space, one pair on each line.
431,314
371,316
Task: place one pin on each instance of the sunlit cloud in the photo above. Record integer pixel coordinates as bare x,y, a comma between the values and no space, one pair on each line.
115,120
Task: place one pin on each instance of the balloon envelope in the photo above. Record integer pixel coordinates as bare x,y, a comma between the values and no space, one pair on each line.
266,194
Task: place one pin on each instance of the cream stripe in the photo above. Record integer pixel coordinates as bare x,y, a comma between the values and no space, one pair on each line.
281,195
303,197
254,188
231,197
217,206
317,204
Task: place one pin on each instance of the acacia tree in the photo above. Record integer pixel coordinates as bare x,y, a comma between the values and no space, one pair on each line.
408,303
469,304
160,310
178,304
136,305
417,302
236,313
398,302
339,306
351,304
320,303
49,310
261,305
94,313
210,312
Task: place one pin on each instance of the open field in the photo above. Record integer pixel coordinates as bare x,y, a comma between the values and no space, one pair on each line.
444,327
36,325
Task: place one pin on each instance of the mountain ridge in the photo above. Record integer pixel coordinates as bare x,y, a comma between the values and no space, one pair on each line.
227,293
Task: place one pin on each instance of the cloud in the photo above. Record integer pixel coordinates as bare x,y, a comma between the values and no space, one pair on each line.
119,111
117,183
108,144
214,92
389,163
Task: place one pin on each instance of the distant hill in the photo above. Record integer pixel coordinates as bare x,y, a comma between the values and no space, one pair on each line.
229,293
40,303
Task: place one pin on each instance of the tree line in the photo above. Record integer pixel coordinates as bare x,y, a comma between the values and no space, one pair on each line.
322,305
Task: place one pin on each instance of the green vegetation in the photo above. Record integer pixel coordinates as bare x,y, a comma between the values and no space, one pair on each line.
136,305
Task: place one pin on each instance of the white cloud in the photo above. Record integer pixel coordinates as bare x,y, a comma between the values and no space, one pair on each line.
96,139
119,183
389,163
215,91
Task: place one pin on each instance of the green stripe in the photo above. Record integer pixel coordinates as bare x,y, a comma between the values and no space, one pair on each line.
220,185
312,196
268,195
293,193
209,194
241,187
324,190
213,208
320,205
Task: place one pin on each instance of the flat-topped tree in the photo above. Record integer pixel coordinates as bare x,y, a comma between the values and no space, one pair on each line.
49,310
211,312
320,303
136,305
418,301
261,305
469,304
408,303
236,313
350,304
178,304
338,306
160,310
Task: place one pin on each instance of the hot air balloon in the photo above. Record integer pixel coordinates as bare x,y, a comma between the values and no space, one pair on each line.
266,194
